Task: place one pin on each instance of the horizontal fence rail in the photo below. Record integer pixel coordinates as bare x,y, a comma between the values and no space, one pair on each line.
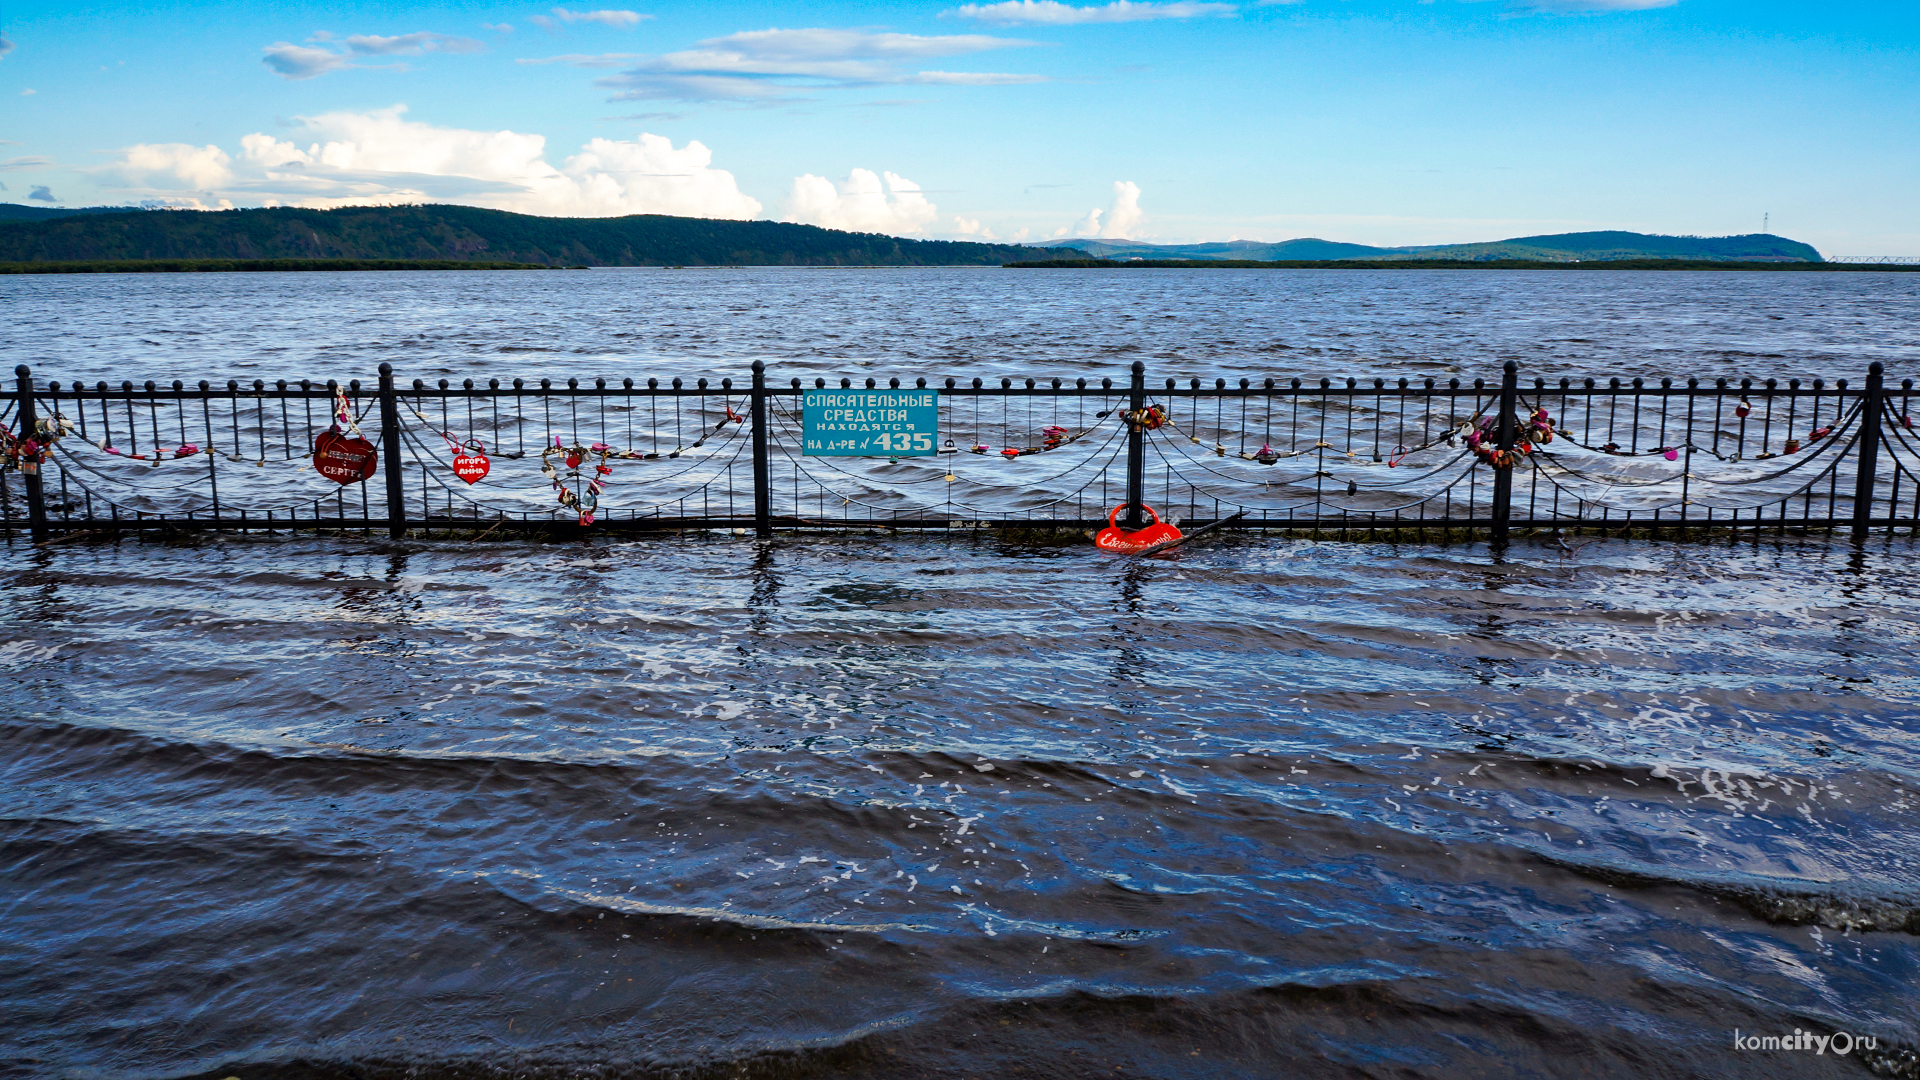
1354,457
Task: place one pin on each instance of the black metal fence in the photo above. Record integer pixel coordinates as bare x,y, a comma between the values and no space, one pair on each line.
1354,457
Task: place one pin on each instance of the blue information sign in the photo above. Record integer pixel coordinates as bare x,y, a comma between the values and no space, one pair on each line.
871,423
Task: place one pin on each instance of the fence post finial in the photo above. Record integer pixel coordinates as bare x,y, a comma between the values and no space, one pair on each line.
762,472
390,448
1503,466
1872,404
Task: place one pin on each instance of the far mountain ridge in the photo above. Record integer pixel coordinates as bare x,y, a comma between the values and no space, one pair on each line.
434,231
1602,246
22,212
464,234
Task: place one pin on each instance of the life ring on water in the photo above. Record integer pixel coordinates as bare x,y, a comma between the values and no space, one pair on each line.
1114,538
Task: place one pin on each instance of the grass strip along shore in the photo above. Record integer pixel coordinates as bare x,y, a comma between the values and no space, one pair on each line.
210,266
216,266
1447,264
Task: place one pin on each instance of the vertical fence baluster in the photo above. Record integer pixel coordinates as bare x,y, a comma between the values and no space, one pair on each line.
1893,497
1503,472
30,471
1137,450
1869,460
1686,459
762,467
206,424
390,442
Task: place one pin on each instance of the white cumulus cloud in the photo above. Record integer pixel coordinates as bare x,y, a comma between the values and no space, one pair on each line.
861,203
619,20
179,202
965,226
410,44
379,157
1121,221
649,176
1054,13
1126,217
174,165
604,16
297,62
759,64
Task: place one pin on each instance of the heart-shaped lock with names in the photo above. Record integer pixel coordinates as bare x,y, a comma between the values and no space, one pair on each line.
1115,538
344,459
471,464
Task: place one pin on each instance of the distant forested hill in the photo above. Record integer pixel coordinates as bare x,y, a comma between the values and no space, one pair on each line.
1607,246
1562,247
14,211
1308,250
469,233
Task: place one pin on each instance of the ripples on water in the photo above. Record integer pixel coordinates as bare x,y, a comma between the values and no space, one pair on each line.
906,807
899,807
968,322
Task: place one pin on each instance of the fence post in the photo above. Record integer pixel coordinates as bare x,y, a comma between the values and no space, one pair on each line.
1871,406
762,472
1503,473
1137,451
390,445
30,470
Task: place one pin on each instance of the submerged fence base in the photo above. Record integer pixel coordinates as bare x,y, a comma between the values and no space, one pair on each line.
1363,459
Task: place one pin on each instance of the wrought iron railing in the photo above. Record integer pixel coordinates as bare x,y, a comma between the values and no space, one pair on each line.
1351,457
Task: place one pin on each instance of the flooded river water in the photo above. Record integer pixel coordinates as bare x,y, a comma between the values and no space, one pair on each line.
884,806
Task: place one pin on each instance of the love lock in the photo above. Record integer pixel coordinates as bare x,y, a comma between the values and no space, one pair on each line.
1114,538
344,459
471,463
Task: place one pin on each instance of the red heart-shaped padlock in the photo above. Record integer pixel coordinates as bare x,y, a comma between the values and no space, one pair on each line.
344,459
1114,538
470,465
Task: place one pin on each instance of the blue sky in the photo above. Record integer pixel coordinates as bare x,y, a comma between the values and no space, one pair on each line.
1374,121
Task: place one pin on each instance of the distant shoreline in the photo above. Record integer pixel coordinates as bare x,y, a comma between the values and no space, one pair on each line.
218,266
1451,264
209,266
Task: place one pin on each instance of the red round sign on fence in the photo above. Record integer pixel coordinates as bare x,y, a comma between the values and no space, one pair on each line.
344,459
470,465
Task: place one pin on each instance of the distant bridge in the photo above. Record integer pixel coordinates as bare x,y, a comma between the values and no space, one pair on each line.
1882,260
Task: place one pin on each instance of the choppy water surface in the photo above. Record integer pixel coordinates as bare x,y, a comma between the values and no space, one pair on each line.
898,807
882,806
967,322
